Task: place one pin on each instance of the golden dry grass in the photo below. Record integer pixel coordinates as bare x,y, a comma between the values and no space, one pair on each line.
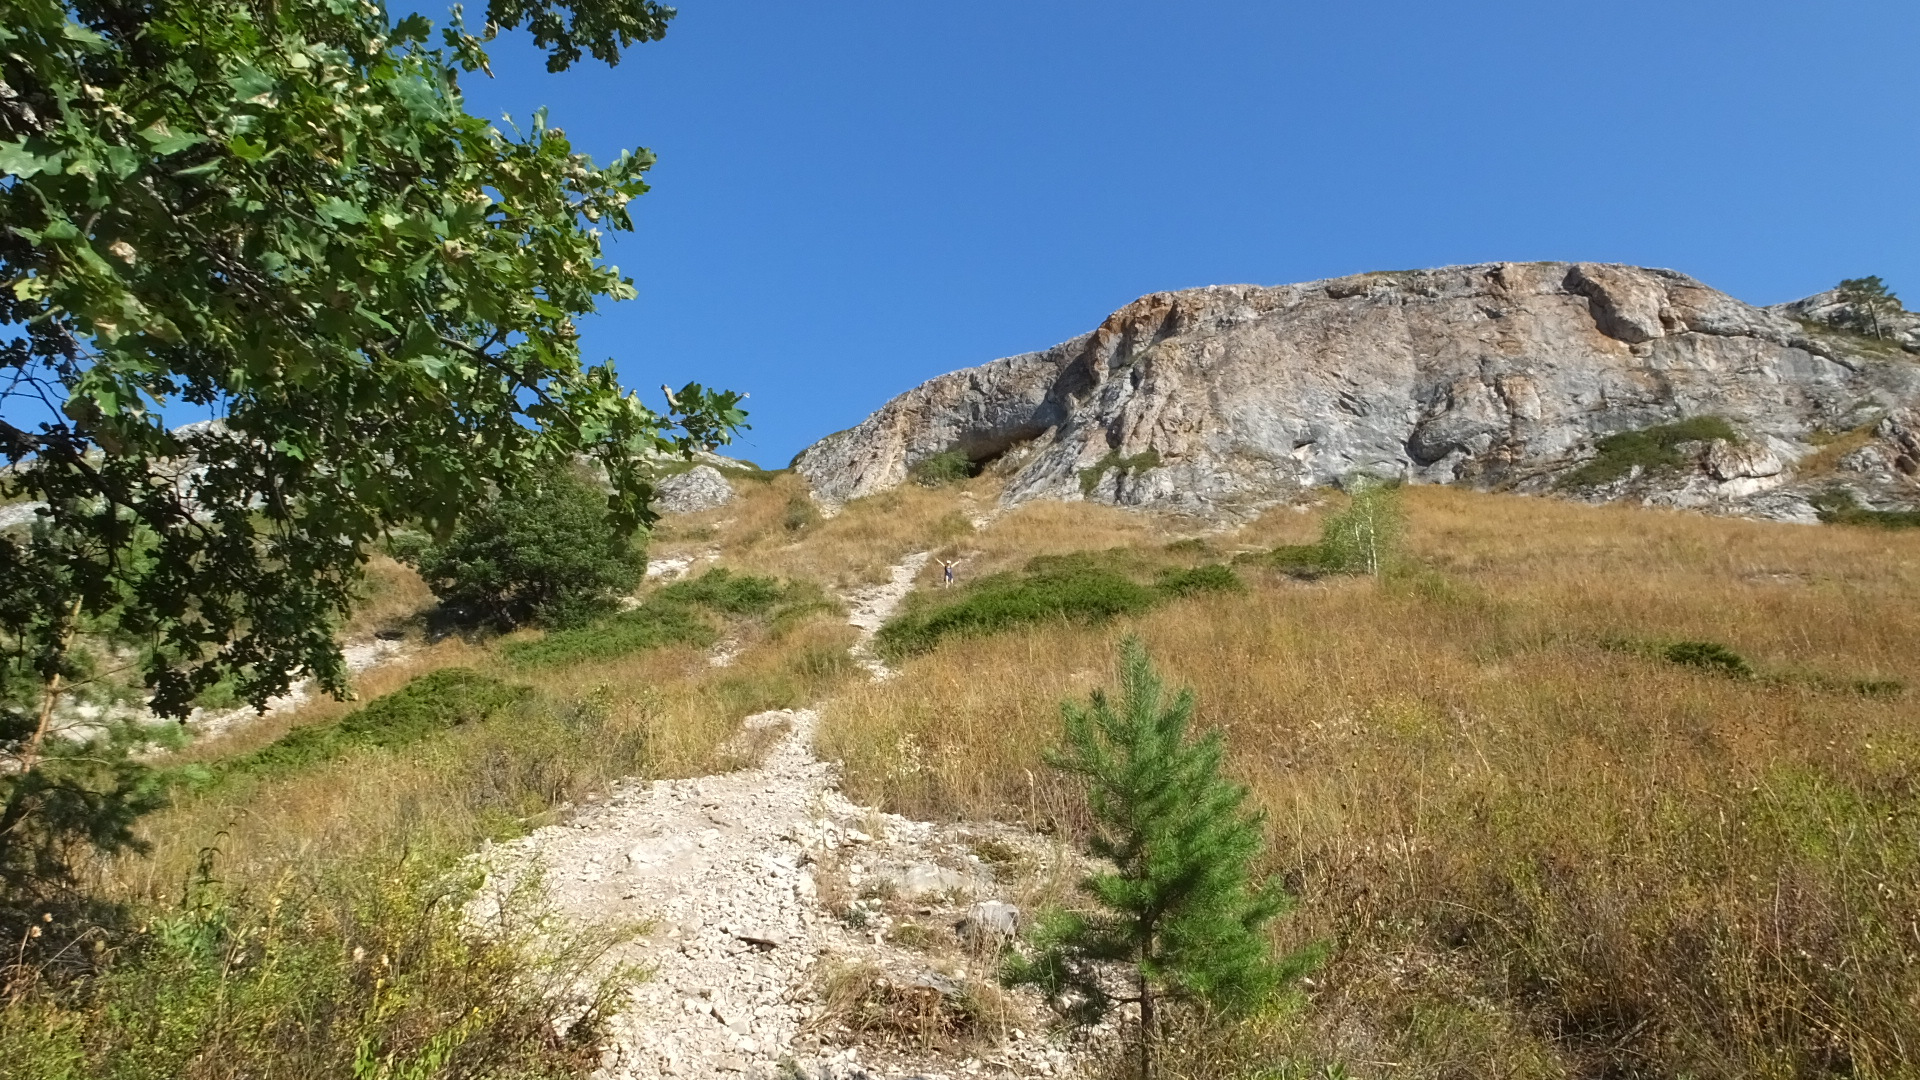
392,597
1534,855
664,712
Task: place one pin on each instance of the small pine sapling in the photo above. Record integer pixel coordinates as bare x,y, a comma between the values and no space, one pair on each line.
1179,914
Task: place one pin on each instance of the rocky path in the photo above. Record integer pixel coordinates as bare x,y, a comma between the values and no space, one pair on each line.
791,932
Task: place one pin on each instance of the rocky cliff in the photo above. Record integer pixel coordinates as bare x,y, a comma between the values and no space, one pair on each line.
1505,376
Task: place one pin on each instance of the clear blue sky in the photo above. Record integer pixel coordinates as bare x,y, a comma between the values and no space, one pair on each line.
852,197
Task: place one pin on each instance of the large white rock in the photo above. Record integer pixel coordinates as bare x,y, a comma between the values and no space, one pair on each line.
699,488
1501,375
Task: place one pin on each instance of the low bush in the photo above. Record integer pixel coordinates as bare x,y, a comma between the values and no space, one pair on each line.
1126,466
361,972
1295,560
426,706
945,467
1839,507
1076,588
1200,579
672,616
721,590
801,514
649,626
1652,449
1710,655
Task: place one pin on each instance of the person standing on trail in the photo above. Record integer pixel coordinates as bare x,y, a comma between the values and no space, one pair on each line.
946,571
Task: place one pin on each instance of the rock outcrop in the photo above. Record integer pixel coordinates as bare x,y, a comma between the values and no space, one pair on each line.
1889,323
1503,376
699,488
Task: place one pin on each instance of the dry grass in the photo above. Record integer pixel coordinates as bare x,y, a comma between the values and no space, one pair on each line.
1535,856
392,597
863,1002
775,529
664,712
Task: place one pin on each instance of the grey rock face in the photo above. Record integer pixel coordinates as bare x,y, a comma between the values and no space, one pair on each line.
699,488
1503,376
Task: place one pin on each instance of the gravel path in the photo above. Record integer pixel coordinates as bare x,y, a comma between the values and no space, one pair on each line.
791,932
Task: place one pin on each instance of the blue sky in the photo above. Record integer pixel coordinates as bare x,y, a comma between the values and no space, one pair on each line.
853,197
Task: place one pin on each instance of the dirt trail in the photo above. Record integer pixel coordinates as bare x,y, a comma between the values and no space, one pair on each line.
764,887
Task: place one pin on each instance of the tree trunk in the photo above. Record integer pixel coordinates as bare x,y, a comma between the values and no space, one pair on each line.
1146,1027
50,695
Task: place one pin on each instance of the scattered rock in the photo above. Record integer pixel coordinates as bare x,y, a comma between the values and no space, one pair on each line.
929,879
727,869
990,922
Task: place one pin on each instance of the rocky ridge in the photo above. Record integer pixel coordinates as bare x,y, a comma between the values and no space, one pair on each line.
1504,376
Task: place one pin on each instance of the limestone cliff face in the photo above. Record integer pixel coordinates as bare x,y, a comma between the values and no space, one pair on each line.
1503,376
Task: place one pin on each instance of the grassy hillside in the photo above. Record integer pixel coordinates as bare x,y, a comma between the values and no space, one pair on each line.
1574,791
1543,840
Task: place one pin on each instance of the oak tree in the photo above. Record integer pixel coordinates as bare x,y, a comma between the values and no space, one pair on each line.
279,213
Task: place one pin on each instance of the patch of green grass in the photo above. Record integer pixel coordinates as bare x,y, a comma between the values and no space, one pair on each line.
1838,506
424,707
1653,449
745,595
672,616
723,590
218,697
1714,657
1295,560
1211,578
1078,588
1706,655
1709,655
1090,477
945,467
649,626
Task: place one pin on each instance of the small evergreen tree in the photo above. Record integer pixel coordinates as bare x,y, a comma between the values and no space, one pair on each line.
542,551
1364,538
1180,907
1868,297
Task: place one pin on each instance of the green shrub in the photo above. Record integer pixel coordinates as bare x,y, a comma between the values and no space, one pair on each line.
1653,449
1297,560
426,706
1710,655
542,552
722,590
945,467
1838,506
1200,579
671,616
1060,587
1090,477
649,626
1365,537
352,971
800,514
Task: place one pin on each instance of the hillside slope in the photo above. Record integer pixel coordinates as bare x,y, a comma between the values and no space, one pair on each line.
1501,376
